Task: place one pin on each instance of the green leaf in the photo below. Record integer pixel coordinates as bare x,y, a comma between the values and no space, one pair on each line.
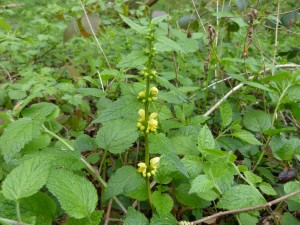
40,205
133,60
193,165
85,143
168,219
290,187
289,219
161,144
117,136
201,184
205,139
124,107
26,179
241,196
257,120
123,181
76,195
267,188
165,44
185,145
247,219
163,203
226,113
41,111
93,219
158,19
133,25
246,136
252,178
134,217
192,200
16,135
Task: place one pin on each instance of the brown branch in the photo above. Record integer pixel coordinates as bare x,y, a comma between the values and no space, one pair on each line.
108,212
11,6
268,204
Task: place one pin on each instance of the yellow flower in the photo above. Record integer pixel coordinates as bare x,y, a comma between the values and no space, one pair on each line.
141,113
153,115
154,163
154,91
152,125
142,169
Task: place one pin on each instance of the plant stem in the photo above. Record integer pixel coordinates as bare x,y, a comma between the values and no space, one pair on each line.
92,171
18,211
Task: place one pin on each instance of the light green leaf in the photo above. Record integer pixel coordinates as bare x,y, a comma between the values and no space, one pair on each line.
201,184
26,179
168,219
241,196
85,143
163,203
289,219
93,219
185,145
41,111
40,205
205,139
247,219
226,113
246,136
161,144
290,187
124,180
267,188
124,107
158,19
257,120
133,25
182,195
193,165
134,217
16,135
133,60
76,195
165,44
252,178
117,136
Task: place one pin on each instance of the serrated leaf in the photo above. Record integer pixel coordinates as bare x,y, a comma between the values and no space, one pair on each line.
26,179
290,187
205,139
124,180
257,120
165,44
138,28
193,165
185,145
85,143
267,188
168,219
246,136
93,219
201,184
289,219
16,135
182,195
161,144
117,136
76,195
163,203
226,114
252,178
41,111
160,18
124,107
247,219
40,205
134,217
241,196
133,60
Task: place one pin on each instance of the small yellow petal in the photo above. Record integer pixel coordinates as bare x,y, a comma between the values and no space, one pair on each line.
141,113
153,115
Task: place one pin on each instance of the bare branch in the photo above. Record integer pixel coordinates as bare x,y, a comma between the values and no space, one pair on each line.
11,6
268,204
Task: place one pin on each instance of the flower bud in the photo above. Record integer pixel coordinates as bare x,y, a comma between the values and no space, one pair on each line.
149,99
142,128
148,174
154,91
139,125
154,99
141,95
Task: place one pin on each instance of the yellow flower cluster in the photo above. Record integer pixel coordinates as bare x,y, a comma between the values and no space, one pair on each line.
151,124
148,74
154,163
152,95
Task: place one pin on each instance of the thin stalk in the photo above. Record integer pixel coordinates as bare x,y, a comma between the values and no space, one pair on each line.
18,212
276,33
92,171
12,222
